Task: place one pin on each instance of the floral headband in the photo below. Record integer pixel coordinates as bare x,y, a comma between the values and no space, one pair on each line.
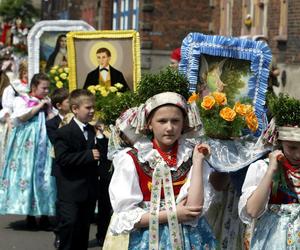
274,133
165,98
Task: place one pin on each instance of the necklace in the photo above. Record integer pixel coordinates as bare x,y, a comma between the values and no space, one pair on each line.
169,157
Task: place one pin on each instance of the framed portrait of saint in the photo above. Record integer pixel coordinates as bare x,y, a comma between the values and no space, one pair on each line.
104,58
47,45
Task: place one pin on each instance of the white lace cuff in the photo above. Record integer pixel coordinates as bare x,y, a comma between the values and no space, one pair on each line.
124,222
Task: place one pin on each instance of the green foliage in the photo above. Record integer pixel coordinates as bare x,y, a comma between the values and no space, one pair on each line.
112,105
285,109
166,80
10,9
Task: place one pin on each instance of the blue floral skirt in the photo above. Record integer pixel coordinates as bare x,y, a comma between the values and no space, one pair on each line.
26,184
278,228
193,238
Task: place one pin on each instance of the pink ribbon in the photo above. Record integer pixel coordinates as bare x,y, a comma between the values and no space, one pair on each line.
30,103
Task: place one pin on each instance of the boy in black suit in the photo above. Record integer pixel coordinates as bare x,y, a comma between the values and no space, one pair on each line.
60,101
105,74
78,152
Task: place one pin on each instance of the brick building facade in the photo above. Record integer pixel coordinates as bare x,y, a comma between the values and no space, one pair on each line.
163,25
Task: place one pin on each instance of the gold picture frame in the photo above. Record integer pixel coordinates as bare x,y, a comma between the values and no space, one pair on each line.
124,46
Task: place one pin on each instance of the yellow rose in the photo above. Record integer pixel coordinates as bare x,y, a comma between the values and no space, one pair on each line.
93,91
66,70
249,108
220,98
52,71
91,88
208,102
60,70
113,89
118,85
59,84
227,114
194,97
104,93
56,78
251,121
243,109
98,87
63,76
119,93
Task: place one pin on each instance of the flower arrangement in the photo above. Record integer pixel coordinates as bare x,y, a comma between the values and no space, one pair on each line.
102,91
111,101
222,120
59,77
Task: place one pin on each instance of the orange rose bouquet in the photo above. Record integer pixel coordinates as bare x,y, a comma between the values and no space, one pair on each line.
225,120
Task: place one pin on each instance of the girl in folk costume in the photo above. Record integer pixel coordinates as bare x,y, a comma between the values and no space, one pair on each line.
14,89
4,117
26,185
159,189
271,191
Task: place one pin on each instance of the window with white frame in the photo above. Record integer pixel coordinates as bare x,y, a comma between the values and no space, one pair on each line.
226,17
125,14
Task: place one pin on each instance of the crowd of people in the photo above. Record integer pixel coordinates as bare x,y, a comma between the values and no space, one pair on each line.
161,192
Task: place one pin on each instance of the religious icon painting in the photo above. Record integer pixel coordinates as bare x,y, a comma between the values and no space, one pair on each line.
235,66
47,46
104,58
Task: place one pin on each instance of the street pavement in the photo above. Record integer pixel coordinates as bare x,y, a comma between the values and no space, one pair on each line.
15,235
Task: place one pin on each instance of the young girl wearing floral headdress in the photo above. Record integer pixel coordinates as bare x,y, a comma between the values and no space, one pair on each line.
271,191
159,189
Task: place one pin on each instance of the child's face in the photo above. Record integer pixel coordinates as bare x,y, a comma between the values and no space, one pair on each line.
85,111
25,76
291,151
64,107
42,90
174,63
167,125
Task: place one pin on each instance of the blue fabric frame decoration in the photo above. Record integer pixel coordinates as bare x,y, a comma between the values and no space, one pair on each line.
258,53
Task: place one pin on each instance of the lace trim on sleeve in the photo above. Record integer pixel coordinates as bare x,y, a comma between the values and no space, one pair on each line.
123,222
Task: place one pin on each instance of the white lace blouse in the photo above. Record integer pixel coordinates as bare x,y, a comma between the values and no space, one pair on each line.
125,193
255,174
9,97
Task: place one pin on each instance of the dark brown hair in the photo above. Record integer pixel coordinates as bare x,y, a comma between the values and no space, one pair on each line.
35,81
104,50
58,96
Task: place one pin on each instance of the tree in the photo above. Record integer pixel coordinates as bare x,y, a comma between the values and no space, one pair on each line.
10,9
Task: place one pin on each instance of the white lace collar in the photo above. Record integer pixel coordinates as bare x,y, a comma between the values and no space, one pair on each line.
146,151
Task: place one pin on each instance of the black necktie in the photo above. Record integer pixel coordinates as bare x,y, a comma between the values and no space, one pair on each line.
103,69
85,131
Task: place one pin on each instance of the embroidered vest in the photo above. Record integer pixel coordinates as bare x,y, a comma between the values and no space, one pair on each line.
144,172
